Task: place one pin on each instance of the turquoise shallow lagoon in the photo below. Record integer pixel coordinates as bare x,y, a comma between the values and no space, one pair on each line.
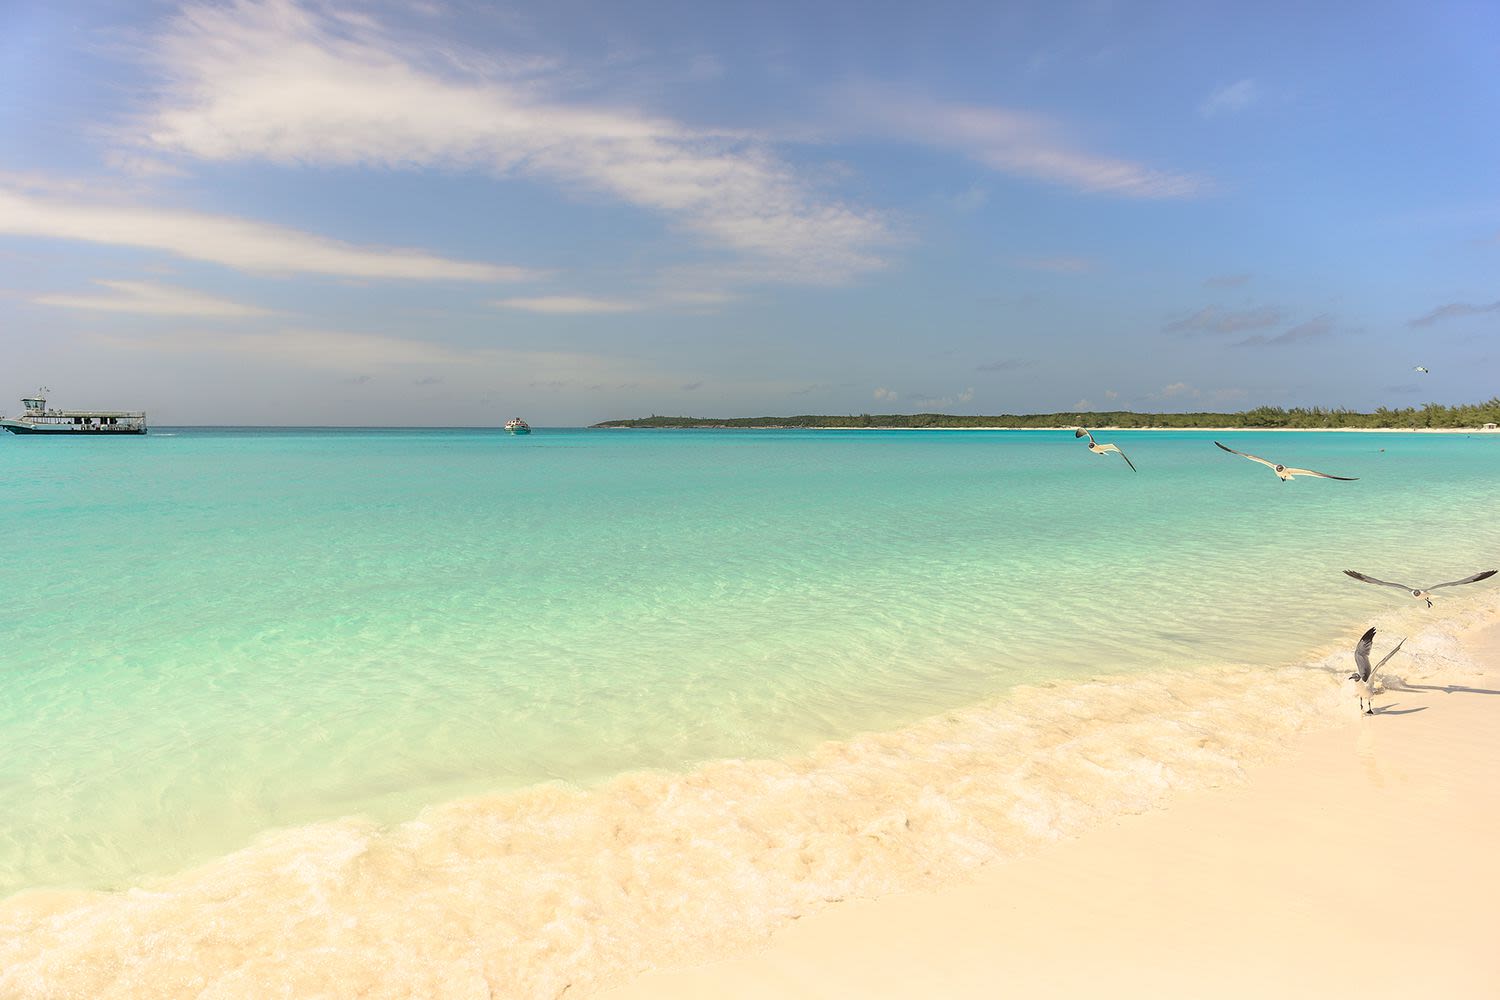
212,633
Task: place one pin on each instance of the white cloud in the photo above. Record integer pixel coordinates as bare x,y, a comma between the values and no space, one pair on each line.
1176,390
234,242
1026,145
1110,394
886,394
967,395
1083,406
567,304
285,83
1230,99
150,299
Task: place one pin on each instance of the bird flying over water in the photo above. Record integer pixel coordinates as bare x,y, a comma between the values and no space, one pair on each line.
1282,471
1364,674
1422,593
1424,371
1101,449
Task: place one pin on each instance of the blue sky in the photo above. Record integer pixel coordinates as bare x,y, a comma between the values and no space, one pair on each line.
432,212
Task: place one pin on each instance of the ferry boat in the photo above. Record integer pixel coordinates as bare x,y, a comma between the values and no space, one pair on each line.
515,425
35,418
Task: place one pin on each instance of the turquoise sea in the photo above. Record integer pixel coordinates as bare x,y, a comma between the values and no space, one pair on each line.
210,634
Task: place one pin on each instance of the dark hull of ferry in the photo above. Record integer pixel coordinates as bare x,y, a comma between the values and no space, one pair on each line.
66,431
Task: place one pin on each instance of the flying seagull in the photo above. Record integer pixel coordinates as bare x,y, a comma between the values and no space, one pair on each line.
1364,673
1100,449
1424,371
1420,593
1282,471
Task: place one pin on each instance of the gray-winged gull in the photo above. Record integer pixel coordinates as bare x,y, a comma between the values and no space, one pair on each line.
1422,593
1283,471
1363,677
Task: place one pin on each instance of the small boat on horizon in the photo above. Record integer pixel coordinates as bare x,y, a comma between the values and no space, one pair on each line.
35,418
515,425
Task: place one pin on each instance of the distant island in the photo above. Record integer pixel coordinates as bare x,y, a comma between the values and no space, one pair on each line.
1432,415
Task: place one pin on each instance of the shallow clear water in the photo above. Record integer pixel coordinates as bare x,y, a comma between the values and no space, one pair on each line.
212,633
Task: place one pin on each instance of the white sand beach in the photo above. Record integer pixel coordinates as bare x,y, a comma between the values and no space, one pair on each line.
1361,864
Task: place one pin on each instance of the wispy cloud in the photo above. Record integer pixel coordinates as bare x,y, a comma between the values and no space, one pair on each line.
888,395
1175,390
1314,329
331,350
1006,365
1230,99
1013,142
234,242
149,299
384,356
1214,320
1182,392
569,304
286,83
1453,310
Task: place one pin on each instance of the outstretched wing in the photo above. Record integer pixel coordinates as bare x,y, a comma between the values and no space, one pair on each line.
1383,583
1468,579
1386,657
1362,653
1127,460
1081,433
1242,454
1320,475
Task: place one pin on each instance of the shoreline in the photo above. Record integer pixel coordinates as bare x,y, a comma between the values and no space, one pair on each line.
1099,427
1375,829
559,887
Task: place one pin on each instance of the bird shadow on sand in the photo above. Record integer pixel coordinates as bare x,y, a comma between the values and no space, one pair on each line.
1393,710
1445,688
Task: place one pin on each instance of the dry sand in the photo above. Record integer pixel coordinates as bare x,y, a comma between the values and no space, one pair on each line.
1362,864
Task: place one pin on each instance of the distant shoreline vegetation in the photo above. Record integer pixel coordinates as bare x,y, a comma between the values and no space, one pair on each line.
1433,415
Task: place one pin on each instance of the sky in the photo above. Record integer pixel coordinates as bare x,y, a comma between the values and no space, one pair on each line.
451,212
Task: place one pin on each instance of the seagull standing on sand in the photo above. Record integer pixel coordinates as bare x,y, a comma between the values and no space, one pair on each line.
1282,471
1363,677
1100,449
1422,593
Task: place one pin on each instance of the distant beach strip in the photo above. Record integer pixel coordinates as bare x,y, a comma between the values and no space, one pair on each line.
1433,416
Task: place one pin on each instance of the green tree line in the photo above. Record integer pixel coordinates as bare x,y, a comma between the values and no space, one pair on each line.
1314,417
